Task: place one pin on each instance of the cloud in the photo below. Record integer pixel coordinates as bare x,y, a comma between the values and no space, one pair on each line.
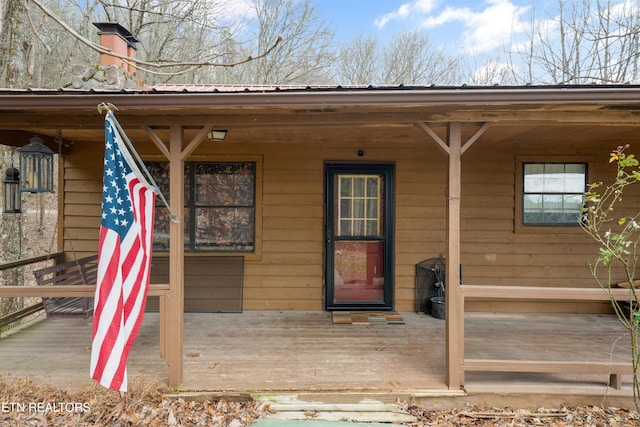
405,11
494,72
486,29
482,30
234,9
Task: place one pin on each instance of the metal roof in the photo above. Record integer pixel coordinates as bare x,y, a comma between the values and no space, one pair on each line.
178,97
249,88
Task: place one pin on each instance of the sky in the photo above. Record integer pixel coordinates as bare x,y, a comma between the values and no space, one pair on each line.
494,38
476,26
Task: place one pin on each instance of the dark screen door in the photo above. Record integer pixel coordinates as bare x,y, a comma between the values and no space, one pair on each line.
359,237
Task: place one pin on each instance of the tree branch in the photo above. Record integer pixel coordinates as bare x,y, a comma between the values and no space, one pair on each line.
192,65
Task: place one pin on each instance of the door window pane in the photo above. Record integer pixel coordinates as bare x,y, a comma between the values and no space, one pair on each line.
359,271
359,205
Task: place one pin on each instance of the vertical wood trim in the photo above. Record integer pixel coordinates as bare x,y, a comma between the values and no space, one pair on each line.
174,320
454,312
163,326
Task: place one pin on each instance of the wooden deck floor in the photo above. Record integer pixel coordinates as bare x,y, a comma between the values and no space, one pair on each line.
304,351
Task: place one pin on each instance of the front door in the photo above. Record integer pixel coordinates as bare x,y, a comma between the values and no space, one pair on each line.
359,237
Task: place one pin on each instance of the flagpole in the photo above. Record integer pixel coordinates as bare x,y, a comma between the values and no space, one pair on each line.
125,248
109,108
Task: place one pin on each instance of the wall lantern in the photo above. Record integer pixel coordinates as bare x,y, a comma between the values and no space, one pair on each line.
36,167
10,193
217,135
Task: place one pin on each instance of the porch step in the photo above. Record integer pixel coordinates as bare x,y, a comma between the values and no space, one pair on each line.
365,410
272,422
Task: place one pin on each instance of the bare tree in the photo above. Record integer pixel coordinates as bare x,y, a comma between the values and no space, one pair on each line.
487,70
615,36
586,42
16,41
173,31
305,54
358,61
411,58
179,39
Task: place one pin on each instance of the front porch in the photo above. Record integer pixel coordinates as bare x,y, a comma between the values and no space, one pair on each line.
288,351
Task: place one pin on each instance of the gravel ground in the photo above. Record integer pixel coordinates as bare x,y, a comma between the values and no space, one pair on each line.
26,402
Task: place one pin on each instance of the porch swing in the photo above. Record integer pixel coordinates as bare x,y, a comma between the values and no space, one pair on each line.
82,271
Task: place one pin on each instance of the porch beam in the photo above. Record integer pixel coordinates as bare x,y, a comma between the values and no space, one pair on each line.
444,146
477,134
195,142
174,320
441,144
269,119
454,322
157,141
557,116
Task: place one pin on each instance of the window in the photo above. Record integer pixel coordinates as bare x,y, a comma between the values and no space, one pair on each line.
359,205
220,207
552,193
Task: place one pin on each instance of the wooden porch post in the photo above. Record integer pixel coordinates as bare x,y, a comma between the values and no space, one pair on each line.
174,320
454,312
454,323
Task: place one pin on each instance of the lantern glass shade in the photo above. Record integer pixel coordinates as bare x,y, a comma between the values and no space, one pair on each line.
36,167
11,202
217,135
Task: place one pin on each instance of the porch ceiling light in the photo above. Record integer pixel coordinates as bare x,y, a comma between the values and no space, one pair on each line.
217,135
36,167
11,196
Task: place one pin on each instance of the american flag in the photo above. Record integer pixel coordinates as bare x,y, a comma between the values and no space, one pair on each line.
124,256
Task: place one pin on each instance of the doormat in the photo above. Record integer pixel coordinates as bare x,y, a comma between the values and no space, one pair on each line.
367,318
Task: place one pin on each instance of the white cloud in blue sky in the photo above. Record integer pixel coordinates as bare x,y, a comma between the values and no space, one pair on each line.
406,10
485,26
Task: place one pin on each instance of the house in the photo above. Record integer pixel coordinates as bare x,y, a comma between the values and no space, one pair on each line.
326,198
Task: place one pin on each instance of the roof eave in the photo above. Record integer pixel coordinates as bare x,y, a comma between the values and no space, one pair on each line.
151,100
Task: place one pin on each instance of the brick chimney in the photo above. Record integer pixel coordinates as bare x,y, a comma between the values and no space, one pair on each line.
120,41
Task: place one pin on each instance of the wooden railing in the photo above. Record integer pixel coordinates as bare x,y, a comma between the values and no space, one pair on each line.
159,290
17,315
54,256
20,314
525,293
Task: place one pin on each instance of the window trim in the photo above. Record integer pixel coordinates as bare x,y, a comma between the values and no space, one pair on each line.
256,255
519,227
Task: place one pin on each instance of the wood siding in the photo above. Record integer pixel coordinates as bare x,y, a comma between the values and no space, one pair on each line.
214,284
287,271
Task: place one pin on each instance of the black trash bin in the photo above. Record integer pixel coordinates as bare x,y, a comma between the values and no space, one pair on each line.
430,287
438,307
